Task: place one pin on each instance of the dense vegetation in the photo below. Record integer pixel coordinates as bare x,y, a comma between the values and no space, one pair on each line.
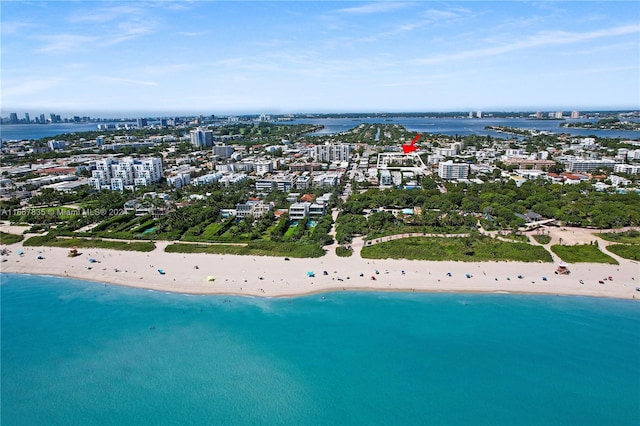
582,253
52,241
630,237
542,239
254,248
343,251
605,123
496,203
469,249
626,251
7,239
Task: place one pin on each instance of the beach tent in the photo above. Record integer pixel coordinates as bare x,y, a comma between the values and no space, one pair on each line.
210,279
310,274
161,271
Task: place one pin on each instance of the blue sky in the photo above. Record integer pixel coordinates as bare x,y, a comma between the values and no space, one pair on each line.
205,57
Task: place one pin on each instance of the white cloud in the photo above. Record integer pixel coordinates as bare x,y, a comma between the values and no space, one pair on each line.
29,87
105,14
119,80
62,43
192,33
374,8
542,39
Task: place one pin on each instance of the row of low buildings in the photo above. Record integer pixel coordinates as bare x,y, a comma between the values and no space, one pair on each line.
298,210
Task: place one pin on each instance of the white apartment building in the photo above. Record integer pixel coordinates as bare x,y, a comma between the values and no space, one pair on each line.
632,169
117,175
263,167
179,180
581,165
446,152
254,208
326,180
451,170
281,183
299,211
331,152
233,178
303,182
633,154
208,178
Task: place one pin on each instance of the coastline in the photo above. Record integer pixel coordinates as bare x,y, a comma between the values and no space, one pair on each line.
276,277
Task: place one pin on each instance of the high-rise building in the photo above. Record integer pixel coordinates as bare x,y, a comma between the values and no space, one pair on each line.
141,122
42,119
27,119
451,170
201,138
331,152
13,118
223,151
575,114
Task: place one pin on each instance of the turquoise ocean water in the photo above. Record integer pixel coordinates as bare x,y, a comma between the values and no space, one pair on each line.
79,353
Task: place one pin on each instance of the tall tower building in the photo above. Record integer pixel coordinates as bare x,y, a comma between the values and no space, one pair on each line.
201,138
42,119
27,119
13,118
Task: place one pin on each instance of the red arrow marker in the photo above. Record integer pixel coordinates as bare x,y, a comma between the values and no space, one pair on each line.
412,146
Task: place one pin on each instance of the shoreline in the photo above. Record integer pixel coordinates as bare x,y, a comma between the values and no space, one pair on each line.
263,276
335,290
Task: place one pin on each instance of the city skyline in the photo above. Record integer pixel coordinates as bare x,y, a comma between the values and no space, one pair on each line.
106,58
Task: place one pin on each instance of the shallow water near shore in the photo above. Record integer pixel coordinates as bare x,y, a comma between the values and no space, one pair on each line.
75,352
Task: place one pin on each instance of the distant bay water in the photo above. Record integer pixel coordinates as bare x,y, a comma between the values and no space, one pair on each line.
446,126
75,352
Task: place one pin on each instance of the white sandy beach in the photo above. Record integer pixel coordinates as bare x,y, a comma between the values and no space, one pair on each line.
275,276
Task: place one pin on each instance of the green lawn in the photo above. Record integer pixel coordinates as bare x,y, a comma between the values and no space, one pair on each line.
89,243
470,249
542,239
627,251
254,248
628,237
582,253
6,238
